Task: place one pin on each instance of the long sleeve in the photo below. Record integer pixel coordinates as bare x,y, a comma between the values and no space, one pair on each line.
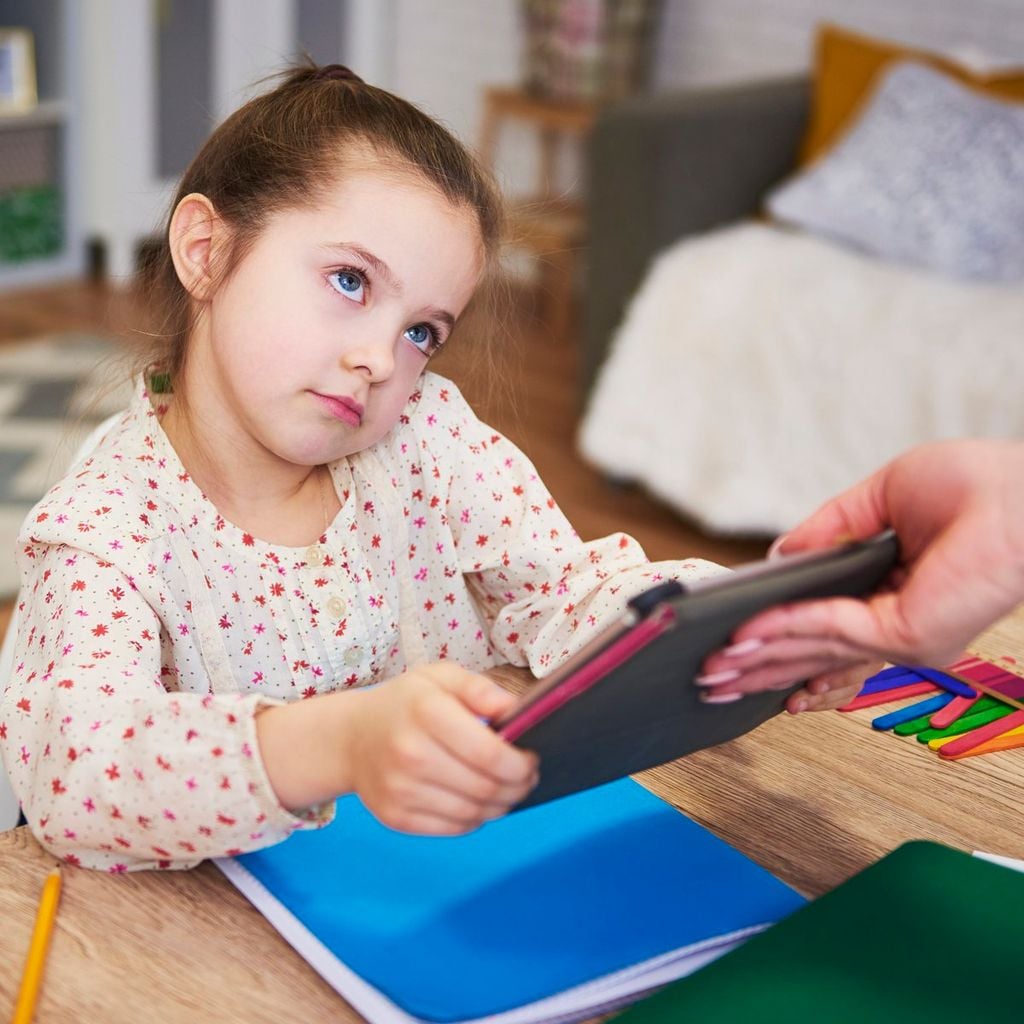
113,769
542,591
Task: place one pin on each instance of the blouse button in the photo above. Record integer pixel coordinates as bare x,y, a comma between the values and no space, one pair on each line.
337,607
314,556
352,657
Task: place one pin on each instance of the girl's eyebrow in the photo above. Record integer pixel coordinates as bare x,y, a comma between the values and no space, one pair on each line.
379,267
375,263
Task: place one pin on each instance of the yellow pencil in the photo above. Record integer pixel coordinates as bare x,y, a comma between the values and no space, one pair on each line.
32,976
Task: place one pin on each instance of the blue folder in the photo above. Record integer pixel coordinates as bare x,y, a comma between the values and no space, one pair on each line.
529,906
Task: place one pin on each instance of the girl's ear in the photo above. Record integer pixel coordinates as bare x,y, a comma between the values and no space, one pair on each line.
196,236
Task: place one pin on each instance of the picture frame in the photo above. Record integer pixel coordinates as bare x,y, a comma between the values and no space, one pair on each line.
17,71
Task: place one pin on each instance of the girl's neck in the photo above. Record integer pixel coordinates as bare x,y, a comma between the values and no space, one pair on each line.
275,501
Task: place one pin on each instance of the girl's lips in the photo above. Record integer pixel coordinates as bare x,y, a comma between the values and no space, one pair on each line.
348,410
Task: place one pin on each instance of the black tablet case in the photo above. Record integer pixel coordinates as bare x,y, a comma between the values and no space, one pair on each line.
648,711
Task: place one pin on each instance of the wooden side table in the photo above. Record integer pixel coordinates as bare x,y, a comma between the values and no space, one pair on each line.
547,225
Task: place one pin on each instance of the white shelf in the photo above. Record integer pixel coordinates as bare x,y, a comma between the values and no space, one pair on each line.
45,112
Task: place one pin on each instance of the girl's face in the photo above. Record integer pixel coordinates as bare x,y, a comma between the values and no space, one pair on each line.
317,338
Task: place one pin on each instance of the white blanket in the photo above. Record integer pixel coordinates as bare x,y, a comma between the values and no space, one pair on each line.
760,371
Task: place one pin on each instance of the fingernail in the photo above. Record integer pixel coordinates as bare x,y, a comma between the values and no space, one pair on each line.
773,551
720,698
800,705
717,678
744,647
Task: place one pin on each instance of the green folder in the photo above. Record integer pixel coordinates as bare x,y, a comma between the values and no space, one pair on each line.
926,934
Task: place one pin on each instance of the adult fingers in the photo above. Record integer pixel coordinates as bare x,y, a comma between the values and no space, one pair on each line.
723,665
771,677
857,513
866,626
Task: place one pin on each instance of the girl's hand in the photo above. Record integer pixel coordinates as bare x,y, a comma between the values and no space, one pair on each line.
422,760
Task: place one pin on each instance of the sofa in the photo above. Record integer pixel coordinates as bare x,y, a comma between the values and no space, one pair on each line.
743,369
666,166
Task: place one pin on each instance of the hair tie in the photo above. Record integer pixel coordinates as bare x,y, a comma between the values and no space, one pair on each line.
337,73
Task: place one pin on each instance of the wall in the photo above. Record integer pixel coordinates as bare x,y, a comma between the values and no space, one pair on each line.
447,50
717,41
441,54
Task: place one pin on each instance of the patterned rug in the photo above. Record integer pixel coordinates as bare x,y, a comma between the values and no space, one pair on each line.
53,391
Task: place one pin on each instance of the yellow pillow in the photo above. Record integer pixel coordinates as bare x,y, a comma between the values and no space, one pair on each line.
846,65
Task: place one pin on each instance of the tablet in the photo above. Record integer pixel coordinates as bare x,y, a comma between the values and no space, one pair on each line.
628,701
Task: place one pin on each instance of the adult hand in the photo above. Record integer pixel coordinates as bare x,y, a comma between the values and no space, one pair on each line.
958,510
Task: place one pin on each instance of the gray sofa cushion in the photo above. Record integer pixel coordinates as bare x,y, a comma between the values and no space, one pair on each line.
930,175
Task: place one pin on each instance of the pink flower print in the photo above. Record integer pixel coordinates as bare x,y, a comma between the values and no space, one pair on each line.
453,624
421,573
464,517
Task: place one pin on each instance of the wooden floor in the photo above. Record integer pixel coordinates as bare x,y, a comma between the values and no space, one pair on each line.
529,391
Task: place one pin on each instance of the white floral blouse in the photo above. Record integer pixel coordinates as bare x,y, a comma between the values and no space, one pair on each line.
151,629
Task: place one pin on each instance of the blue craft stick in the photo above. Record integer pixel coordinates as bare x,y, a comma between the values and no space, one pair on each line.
921,707
947,682
889,679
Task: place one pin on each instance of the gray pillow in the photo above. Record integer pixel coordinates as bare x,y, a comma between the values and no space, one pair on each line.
930,175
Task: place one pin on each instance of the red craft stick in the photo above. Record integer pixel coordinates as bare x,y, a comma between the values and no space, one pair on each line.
985,732
952,711
869,700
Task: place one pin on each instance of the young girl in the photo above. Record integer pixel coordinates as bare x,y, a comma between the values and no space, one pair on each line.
291,508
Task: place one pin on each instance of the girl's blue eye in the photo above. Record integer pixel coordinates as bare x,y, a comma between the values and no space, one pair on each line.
423,336
348,283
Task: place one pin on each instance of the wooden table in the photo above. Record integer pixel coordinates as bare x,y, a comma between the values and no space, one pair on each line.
813,798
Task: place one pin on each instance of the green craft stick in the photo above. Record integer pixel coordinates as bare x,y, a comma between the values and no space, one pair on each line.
914,725
967,722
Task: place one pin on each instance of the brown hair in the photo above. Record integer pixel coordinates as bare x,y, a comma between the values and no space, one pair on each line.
281,150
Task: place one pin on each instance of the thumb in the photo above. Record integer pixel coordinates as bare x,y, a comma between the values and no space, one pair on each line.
480,695
855,514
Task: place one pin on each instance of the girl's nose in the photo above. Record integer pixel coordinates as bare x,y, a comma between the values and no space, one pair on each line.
373,353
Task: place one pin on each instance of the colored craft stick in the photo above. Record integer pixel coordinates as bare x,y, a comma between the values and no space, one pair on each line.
972,721
1009,741
922,708
953,710
914,727
880,682
870,700
945,680
975,737
888,678
903,675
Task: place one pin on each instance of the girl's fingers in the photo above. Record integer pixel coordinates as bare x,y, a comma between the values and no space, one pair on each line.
452,720
484,697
